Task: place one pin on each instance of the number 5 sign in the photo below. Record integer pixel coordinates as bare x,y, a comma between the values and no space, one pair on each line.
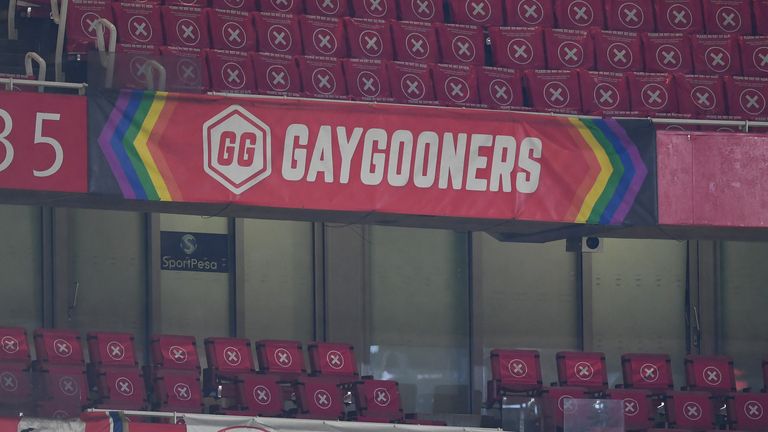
43,143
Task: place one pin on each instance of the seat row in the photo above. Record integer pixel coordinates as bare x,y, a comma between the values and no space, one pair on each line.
667,16
648,386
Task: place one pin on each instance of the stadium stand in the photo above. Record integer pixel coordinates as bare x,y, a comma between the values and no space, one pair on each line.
114,372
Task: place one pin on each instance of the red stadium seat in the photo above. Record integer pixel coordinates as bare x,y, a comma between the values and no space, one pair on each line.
138,23
185,27
65,385
747,98
617,51
579,14
409,83
518,47
500,88
336,8
415,41
516,371
639,411
377,400
120,388
177,391
81,24
323,36
232,30
530,13
375,9
748,411
455,85
56,409
276,74
760,9
651,95
229,356
131,65
259,395
337,359
676,16
234,5
111,349
293,7
602,94
690,410
710,373
15,383
461,44
231,72
280,357
554,91
667,53
728,16
278,33
569,49
754,55
367,80
187,3
700,95
14,346
629,15
186,69
605,92
557,401
715,55
477,12
57,346
319,398
174,352
421,10
649,371
322,77
369,39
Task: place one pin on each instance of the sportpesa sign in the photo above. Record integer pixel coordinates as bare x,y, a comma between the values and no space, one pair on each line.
321,155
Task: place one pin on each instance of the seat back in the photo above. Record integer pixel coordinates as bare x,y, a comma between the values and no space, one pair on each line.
579,14
276,74
367,80
667,53
651,94
323,36
138,23
174,352
378,399
411,83
111,349
81,29
333,8
715,55
186,69
554,91
421,10
629,15
15,383
374,9
185,27
455,85
319,398
569,49
710,373
293,7
500,88
259,395
559,401
131,67
516,370
690,410
518,47
231,30
326,358
278,33
177,390
675,16
728,16
617,51
280,357
415,41
639,411
700,95
369,39
747,411
231,72
461,44
14,345
647,371
56,346
229,356
322,77
234,5
761,16
530,13
587,369
121,388
66,385
754,55
477,12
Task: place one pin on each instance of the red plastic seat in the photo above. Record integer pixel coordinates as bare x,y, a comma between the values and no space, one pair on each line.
667,53
336,8
276,74
375,9
231,30
377,400
185,27
131,65
700,95
121,388
326,358
461,44
278,33
111,349
322,77
65,385
747,98
617,51
81,24
234,5
557,401
229,356
649,371
187,3
259,395
601,92
409,83
639,411
530,13
455,85
293,7
579,14
675,16
231,72
14,346
629,15
15,383
369,39
500,88
323,36
282,357
177,390
415,41
690,410
367,80
754,55
58,347
728,16
715,55
569,49
554,91
518,47
760,10
319,398
516,370
186,69
651,95
710,373
174,352
421,10
477,12
748,411
138,23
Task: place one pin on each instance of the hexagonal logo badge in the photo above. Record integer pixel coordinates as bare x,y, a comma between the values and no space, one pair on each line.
237,149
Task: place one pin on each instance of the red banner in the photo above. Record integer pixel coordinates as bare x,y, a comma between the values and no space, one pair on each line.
358,157
43,142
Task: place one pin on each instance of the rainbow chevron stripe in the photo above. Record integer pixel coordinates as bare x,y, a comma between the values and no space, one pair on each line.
615,175
131,143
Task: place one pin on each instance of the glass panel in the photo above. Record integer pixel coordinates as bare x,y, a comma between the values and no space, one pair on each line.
21,267
419,316
638,292
279,280
743,305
